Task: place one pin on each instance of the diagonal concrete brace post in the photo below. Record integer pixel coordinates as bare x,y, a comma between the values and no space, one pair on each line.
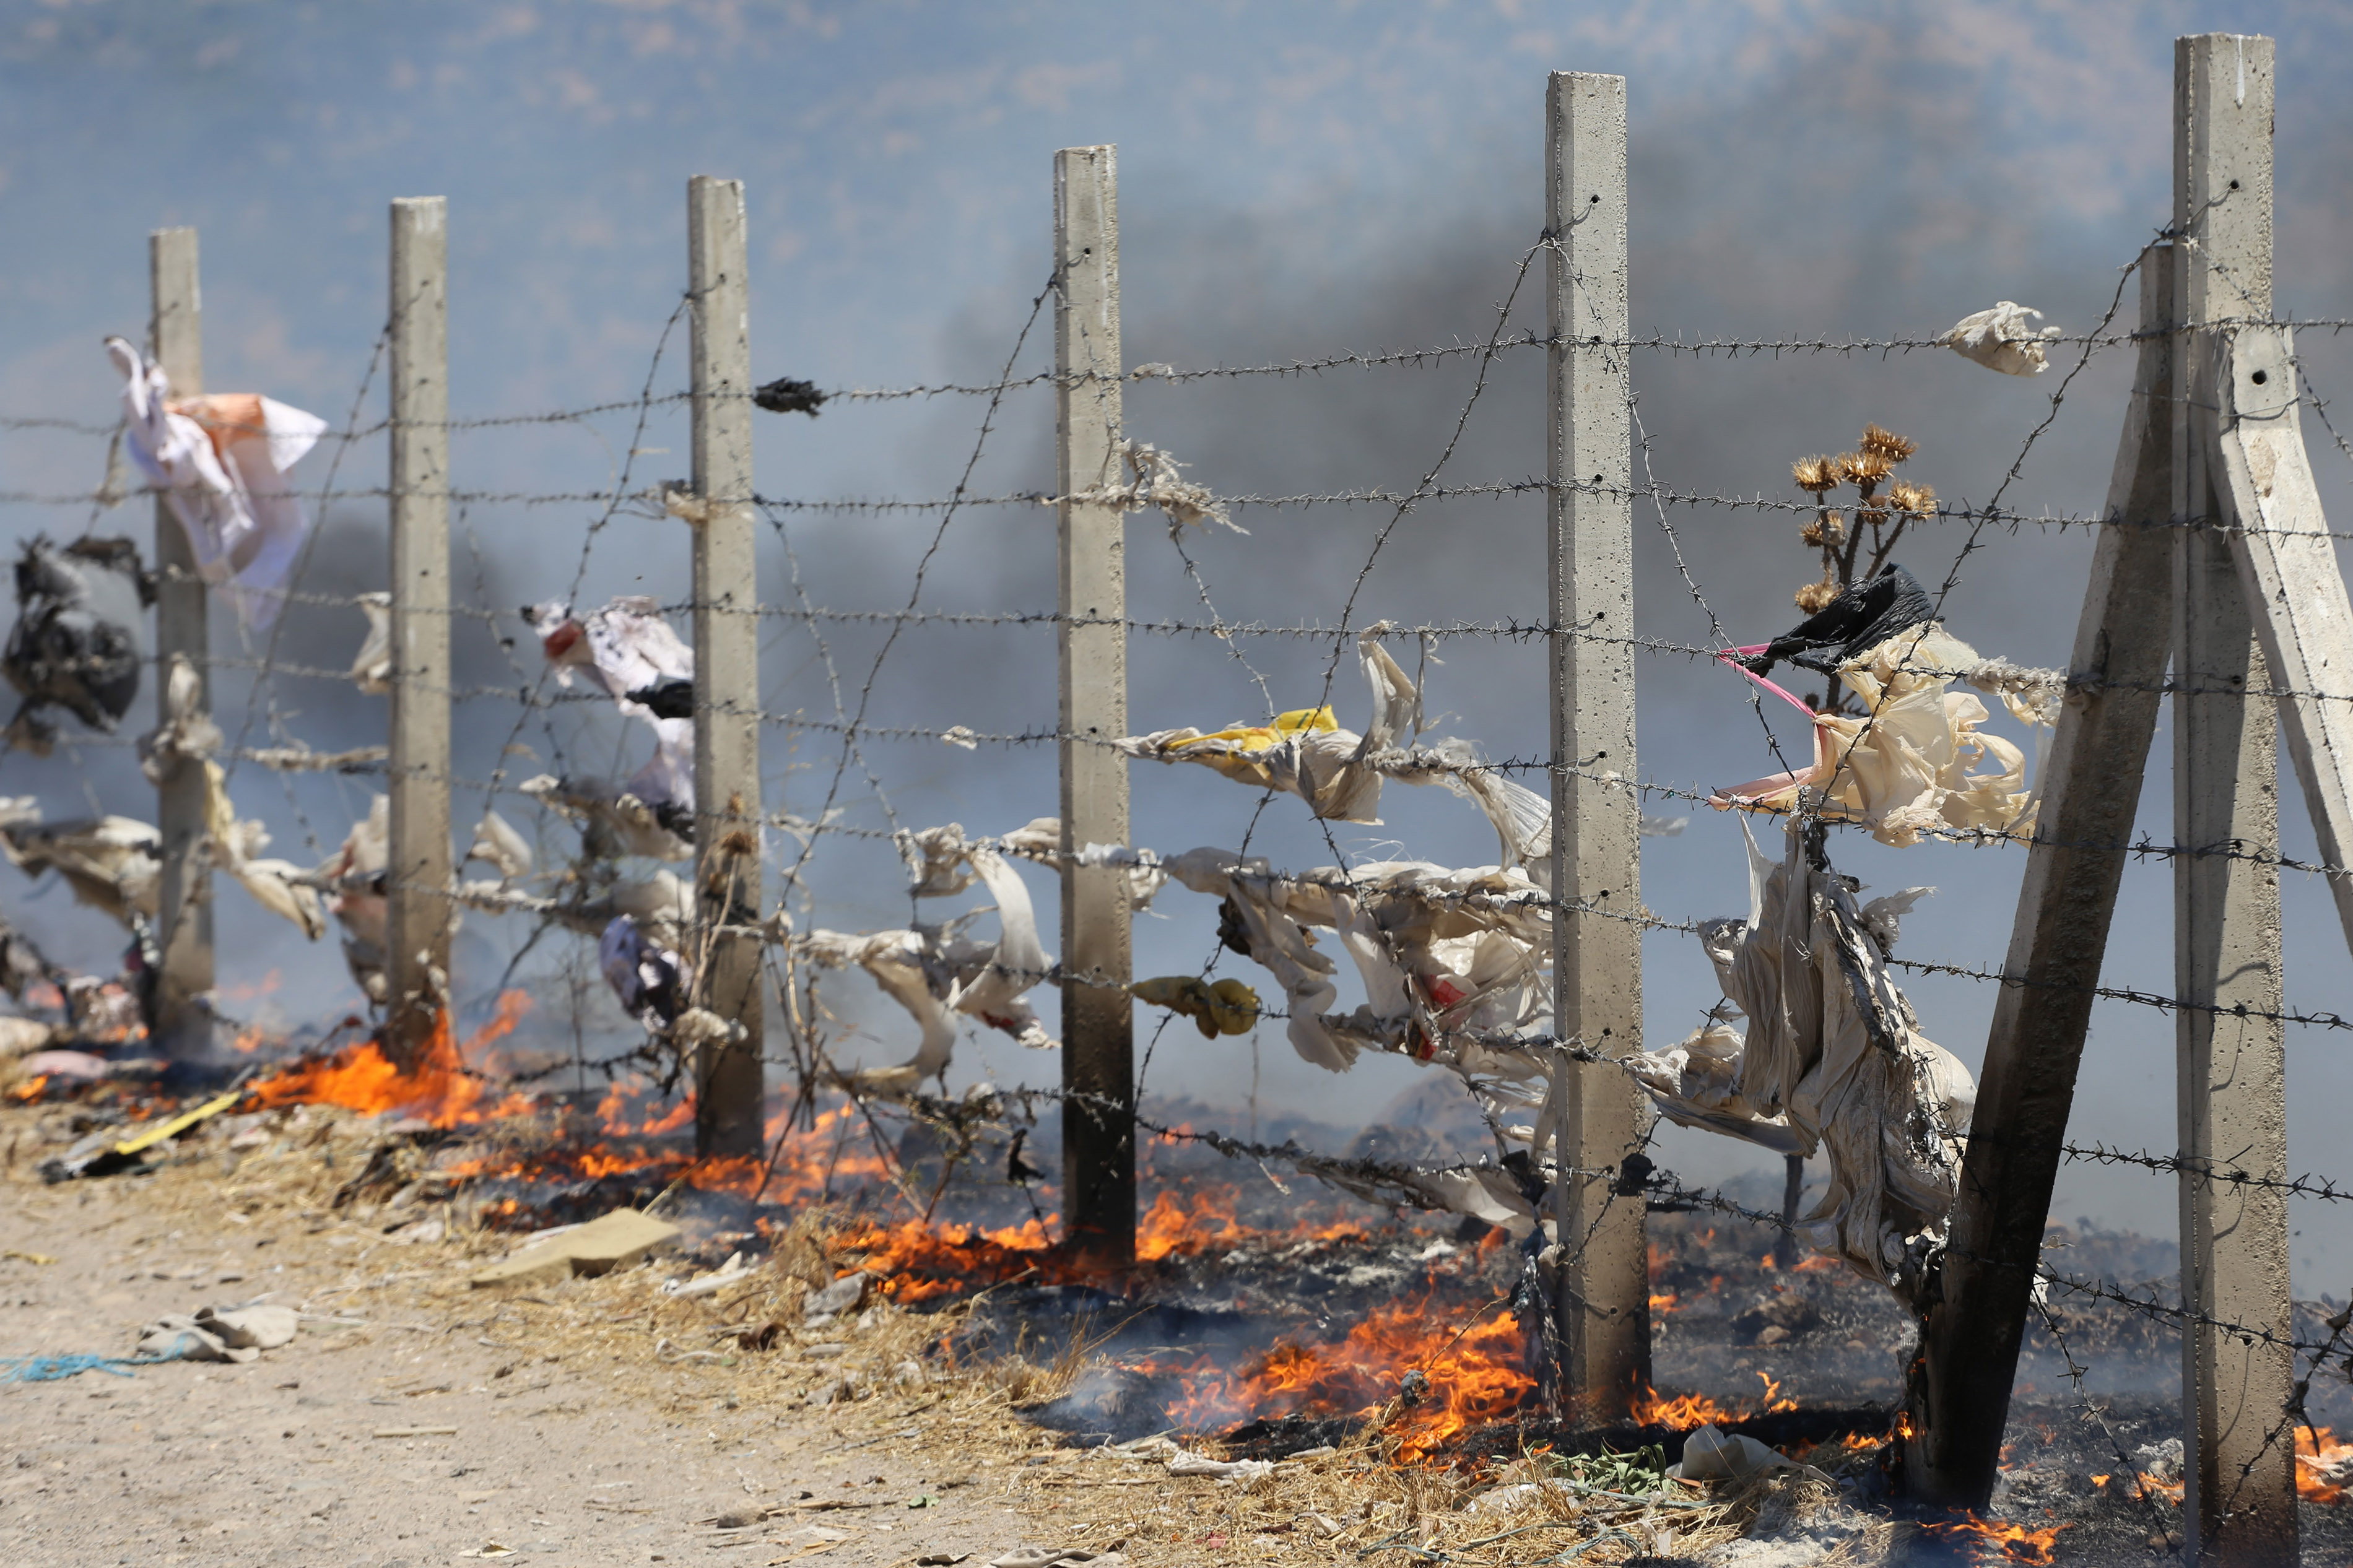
1958,1391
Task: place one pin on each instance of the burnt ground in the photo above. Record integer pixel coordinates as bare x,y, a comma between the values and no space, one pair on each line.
599,1422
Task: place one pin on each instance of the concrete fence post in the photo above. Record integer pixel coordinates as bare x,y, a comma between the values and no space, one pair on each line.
184,927
730,1076
2241,1474
1098,1034
418,916
1603,1261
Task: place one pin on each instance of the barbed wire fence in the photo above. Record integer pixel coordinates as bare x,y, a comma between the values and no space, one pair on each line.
585,890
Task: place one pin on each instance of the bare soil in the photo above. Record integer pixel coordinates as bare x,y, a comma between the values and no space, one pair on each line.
593,1422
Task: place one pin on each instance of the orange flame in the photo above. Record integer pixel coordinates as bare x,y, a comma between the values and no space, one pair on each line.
2317,1452
30,1090
440,1089
1474,1377
1680,1414
1167,1229
2018,1543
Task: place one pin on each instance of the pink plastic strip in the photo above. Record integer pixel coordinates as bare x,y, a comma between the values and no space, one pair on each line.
1798,703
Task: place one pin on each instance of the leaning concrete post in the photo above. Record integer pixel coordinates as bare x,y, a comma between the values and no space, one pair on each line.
1604,1288
184,933
2241,1505
1098,1038
728,1075
417,917
1960,1383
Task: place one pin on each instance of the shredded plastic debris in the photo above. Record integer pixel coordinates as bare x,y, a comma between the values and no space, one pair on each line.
2002,338
1915,761
1225,1006
1832,1060
371,666
934,972
53,1368
638,661
1154,479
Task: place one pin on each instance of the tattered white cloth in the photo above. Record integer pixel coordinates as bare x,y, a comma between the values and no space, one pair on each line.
222,462
1832,1061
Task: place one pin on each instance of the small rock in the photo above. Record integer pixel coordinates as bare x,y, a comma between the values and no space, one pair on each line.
907,1375
846,1294
1773,1334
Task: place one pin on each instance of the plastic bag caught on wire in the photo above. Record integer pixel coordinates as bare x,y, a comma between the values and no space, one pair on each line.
354,876
2003,339
1917,761
638,660
79,640
650,979
222,462
1339,773
1304,751
1831,1061
111,863
371,666
934,972
1450,959
279,885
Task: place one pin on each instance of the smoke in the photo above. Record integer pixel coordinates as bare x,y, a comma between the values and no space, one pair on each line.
1315,186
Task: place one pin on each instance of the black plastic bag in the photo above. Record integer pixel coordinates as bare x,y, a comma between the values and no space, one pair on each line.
1861,618
80,636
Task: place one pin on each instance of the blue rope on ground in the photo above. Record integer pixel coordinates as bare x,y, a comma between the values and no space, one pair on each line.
50,1368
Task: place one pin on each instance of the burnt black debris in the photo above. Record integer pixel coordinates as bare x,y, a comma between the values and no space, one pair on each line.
1860,618
77,643
787,395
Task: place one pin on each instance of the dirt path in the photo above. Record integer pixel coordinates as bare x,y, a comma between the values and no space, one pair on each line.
578,1437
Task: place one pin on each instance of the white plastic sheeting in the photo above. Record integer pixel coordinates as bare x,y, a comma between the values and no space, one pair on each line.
222,462
1917,761
2003,339
1831,1061
937,972
631,653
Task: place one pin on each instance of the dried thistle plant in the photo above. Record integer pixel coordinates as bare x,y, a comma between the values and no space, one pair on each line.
1856,540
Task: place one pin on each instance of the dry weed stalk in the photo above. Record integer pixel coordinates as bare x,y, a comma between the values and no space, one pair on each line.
1852,551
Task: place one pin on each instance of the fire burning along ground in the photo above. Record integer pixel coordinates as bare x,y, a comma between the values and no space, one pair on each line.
1275,1319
